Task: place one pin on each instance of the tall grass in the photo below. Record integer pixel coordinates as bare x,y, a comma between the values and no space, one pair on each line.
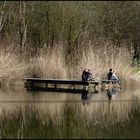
49,64
12,70
100,56
72,123
55,62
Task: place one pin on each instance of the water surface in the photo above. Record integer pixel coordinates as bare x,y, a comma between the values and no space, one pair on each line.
117,108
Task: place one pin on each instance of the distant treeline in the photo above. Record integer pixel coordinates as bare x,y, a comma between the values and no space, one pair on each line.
36,24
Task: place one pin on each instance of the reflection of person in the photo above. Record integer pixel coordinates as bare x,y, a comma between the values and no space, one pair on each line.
86,97
112,92
109,94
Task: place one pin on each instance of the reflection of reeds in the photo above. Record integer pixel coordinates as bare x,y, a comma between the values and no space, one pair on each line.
71,123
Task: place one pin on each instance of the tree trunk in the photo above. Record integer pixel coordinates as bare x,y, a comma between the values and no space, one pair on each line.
23,27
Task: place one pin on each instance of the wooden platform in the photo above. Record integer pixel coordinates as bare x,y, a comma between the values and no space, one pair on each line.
59,85
110,81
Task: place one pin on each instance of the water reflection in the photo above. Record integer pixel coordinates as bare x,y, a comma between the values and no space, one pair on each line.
88,97
90,103
85,98
92,109
111,92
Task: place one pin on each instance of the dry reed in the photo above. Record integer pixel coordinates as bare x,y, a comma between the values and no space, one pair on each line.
51,63
12,70
99,57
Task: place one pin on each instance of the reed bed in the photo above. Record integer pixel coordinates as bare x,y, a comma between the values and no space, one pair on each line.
12,70
55,62
49,64
99,57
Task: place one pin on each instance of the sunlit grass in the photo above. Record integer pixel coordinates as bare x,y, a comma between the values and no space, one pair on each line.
49,64
12,70
99,57
56,63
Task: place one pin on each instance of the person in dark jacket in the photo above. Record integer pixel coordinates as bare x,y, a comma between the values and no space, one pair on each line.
87,75
112,76
109,75
84,75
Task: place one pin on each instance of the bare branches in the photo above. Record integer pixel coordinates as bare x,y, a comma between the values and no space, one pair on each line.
5,8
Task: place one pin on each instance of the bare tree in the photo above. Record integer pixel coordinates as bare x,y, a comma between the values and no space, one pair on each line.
5,8
24,17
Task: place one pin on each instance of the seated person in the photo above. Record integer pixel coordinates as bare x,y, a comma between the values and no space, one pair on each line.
87,75
109,75
114,76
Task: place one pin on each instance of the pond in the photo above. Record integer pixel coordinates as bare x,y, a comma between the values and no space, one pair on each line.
113,113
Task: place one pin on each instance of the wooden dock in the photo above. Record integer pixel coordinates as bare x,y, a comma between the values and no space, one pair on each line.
59,85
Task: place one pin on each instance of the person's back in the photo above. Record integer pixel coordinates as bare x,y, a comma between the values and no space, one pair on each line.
87,75
84,75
